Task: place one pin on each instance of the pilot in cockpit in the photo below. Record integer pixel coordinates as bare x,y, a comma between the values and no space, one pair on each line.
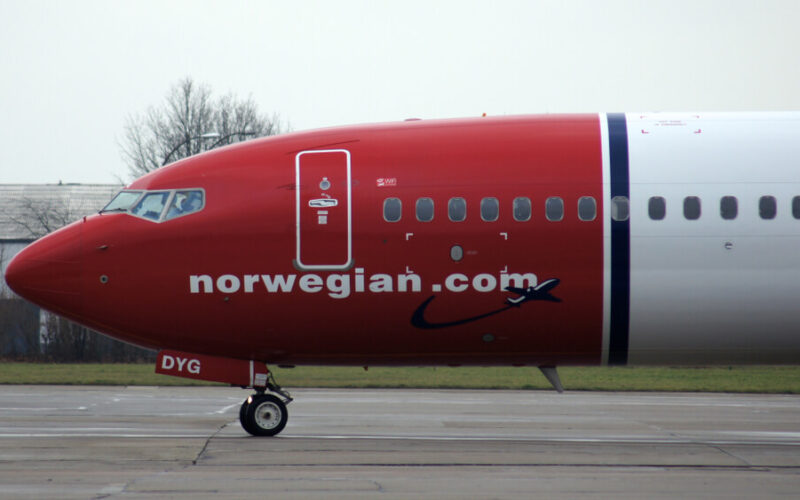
193,202
185,203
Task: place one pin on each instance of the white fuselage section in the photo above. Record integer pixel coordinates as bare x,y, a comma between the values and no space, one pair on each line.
711,288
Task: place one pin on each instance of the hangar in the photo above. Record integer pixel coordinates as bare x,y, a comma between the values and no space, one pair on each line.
27,212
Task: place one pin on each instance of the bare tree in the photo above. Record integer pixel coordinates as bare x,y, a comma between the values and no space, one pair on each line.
191,121
42,216
63,340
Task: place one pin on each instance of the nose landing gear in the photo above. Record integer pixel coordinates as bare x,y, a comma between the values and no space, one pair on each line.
264,414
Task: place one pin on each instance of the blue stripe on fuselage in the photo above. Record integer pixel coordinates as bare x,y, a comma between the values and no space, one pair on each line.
620,243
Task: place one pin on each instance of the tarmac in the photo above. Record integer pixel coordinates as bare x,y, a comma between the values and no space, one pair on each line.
149,442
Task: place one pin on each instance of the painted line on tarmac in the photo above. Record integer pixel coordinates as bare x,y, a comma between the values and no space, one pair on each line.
606,440
225,409
106,435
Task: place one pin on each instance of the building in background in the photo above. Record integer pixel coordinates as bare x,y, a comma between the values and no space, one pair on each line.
28,212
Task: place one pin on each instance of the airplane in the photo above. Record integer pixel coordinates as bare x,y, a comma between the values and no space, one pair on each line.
673,239
538,292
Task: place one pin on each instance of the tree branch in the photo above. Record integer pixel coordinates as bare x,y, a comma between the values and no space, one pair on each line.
180,127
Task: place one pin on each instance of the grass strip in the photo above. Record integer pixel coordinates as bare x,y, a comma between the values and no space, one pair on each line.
755,379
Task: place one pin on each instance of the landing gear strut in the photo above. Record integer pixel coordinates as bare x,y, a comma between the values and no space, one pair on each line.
264,414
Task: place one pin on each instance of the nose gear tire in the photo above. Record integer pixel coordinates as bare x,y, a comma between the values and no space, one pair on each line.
263,415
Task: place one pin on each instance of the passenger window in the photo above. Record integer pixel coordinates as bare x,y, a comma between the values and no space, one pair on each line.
392,209
424,209
728,207
490,209
457,209
657,208
151,205
767,207
522,209
691,207
796,207
587,208
185,203
620,210
554,208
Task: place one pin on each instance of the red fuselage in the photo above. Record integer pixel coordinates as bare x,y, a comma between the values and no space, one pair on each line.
358,310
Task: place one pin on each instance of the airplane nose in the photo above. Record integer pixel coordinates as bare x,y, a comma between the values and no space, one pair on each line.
48,271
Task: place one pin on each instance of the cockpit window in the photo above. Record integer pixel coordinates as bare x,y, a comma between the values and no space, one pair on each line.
158,206
184,203
151,205
122,201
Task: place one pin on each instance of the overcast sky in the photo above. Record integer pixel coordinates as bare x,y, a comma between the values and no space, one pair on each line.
73,71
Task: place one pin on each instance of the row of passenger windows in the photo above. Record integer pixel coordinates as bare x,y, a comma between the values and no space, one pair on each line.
728,207
521,209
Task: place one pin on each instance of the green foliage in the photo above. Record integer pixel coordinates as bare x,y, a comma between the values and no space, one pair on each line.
761,379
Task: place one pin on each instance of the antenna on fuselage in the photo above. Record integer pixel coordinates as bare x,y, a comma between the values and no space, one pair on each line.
551,375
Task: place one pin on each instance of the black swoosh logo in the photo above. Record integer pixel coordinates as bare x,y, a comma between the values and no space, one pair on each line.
418,318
